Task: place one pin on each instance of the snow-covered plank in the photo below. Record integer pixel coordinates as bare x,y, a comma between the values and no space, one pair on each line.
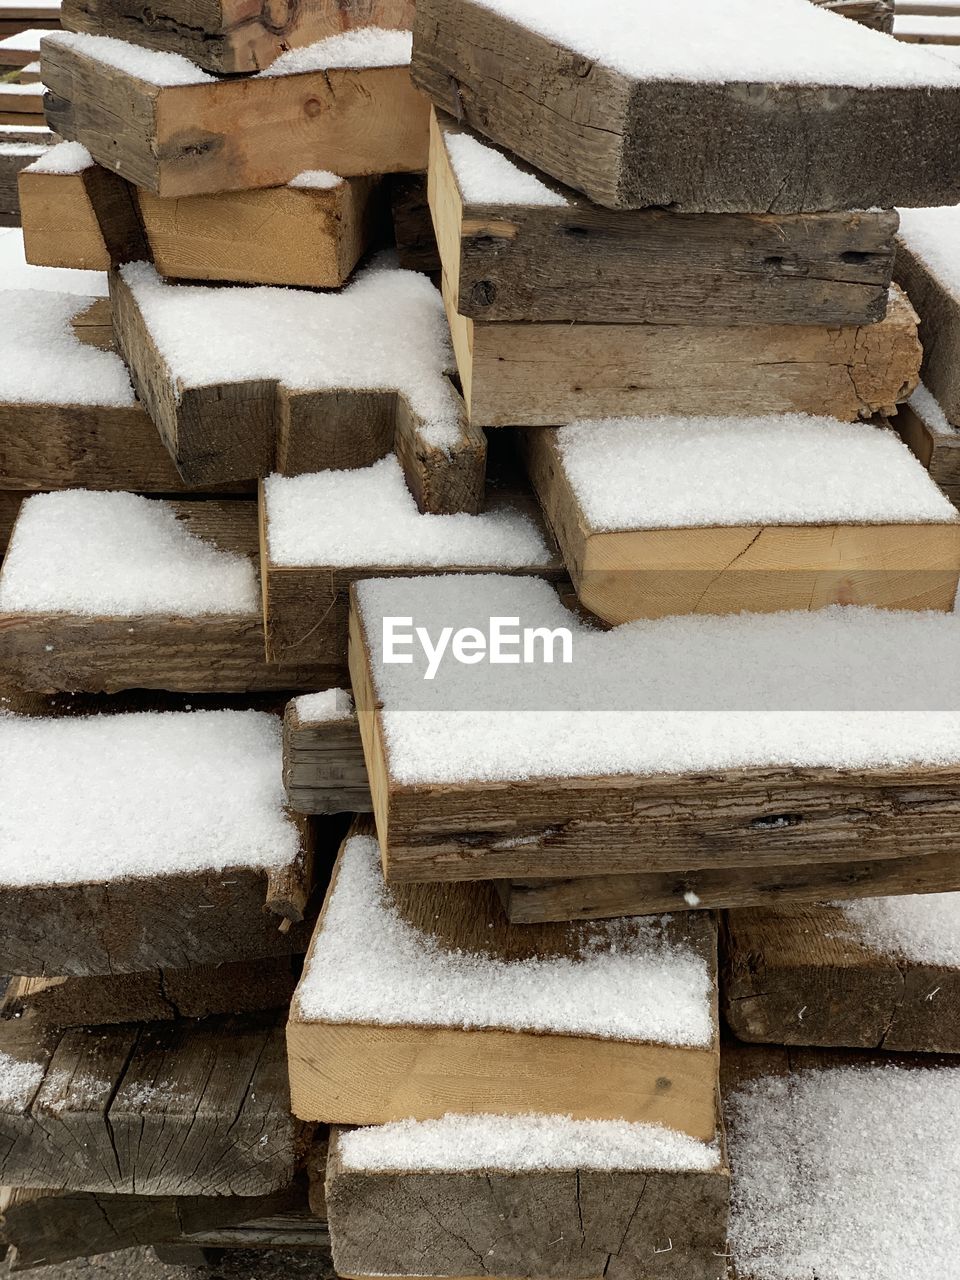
646,105
517,247
661,516
241,382
420,1001
317,233
663,745
345,104
923,425
20,49
184,1108
22,99
928,267
229,37
541,374
102,591
323,766
928,29
521,1195
168,829
322,531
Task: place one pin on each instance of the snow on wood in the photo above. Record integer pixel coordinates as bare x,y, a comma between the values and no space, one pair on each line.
17,274
362,47
64,157
323,766
148,65
928,254
924,426
328,704
488,176
43,362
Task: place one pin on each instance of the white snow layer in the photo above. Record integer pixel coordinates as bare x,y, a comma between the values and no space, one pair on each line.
846,1173
934,236
782,41
385,331
369,965
328,704
316,180
65,157
368,516
926,407
359,48
520,1143
923,928
118,554
17,273
19,1080
145,794
827,688
25,41
486,176
668,473
43,362
149,65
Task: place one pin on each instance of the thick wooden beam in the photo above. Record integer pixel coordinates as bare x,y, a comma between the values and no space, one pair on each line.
503,259
293,235
172,1109
532,375
624,140
255,132
323,766
229,36
370,1066
934,296
508,1219
923,425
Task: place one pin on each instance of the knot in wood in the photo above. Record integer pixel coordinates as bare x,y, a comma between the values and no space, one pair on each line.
483,293
313,107
277,16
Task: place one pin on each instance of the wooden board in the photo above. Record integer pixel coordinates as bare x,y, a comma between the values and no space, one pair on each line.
234,135
656,573
939,312
14,156
155,995
671,823
214,653
229,36
625,142
412,226
181,1108
581,262
804,975
278,235
46,1227
877,14
532,900
29,103
543,375
235,430
579,1223
323,766
10,500
366,1073
937,446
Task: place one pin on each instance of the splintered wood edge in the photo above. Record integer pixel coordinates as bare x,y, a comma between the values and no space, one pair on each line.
446,204
368,709
289,888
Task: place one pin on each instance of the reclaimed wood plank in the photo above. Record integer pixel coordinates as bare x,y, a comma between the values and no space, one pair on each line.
323,765
15,155
229,36
238,134
543,374
937,304
575,261
624,140
922,424
412,226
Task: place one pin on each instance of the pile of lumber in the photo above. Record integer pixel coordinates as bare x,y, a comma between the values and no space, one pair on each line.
479,719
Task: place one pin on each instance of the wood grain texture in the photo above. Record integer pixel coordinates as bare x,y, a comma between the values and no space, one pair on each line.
323,766
804,975
876,14
47,1227
215,653
566,1224
412,226
306,607
580,262
233,431
360,1073
155,995
278,235
182,1108
575,826
761,148
532,900
10,500
640,572
937,449
533,375
939,312
240,134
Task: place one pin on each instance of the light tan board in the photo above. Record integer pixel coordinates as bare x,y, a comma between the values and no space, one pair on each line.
938,448
176,1109
532,375
580,262
626,142
655,573
366,1073
214,653
668,823
551,1223
804,975
323,766
234,135
280,235
234,430
230,36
